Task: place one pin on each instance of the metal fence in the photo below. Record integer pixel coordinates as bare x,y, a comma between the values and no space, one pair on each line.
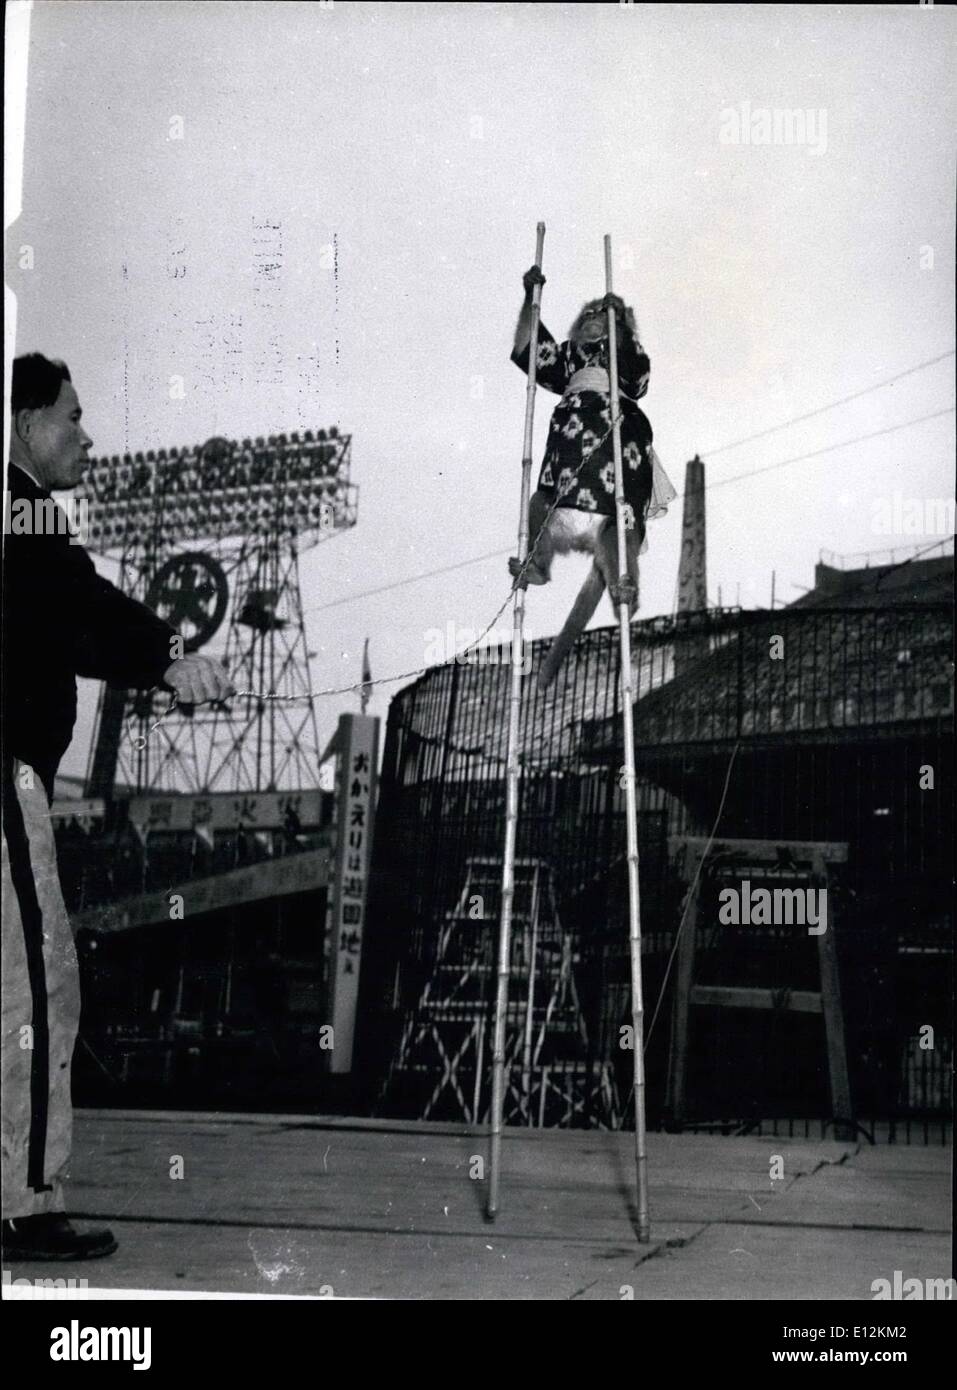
803,723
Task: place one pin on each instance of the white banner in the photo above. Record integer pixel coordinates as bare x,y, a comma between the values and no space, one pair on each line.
357,743
81,808
227,810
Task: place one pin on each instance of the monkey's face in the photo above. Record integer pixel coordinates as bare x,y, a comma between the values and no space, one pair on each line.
591,326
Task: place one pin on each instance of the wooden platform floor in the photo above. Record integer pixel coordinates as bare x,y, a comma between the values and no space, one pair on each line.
352,1208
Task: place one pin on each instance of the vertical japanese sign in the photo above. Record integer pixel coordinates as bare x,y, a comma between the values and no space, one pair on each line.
357,743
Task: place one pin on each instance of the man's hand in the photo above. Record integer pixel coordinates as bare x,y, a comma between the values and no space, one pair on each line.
532,277
197,679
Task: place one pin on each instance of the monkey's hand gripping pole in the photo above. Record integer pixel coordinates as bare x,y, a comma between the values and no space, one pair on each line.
621,597
512,774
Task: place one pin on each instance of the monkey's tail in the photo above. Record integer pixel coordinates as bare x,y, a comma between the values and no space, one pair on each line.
589,597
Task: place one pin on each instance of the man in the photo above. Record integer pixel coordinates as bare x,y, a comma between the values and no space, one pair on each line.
60,620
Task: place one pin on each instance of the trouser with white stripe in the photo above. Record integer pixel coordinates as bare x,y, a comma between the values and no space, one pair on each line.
41,1003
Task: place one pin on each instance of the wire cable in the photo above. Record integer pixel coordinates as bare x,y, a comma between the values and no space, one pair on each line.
421,670
832,405
829,448
719,482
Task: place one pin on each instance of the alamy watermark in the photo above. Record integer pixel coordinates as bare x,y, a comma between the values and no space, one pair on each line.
76,1343
457,644
745,124
944,1290
42,516
747,906
898,515
31,1290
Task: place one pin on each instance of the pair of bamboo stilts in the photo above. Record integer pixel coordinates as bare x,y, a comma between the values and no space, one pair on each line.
513,771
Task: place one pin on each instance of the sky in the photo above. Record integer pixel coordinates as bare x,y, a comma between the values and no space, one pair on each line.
394,160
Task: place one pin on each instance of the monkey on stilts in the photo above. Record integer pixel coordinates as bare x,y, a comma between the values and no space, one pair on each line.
573,507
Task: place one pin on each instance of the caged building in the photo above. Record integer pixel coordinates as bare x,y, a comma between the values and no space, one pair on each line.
829,721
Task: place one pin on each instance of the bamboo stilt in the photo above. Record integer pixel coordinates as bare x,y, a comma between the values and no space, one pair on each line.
631,802
513,773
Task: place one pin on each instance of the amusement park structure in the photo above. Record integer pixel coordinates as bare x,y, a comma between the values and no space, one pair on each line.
210,538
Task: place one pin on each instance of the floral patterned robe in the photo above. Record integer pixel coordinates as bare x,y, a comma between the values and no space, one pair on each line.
578,454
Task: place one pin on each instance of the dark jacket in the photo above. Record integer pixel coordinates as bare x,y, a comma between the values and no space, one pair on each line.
61,620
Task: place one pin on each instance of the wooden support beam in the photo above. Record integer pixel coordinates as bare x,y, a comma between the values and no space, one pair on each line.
795,1001
807,851
808,858
675,1102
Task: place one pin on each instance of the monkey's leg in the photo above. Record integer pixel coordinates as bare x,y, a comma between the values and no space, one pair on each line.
606,558
589,597
633,542
540,544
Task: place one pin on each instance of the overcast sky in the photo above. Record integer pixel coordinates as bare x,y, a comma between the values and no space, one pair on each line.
424,142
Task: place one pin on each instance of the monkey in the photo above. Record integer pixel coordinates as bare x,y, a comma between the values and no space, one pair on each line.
573,507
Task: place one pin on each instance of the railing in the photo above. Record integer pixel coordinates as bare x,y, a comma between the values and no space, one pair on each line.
874,559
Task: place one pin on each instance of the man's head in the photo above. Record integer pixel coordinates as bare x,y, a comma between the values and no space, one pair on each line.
47,438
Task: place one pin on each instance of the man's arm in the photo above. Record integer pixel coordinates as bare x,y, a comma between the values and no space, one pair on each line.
118,640
122,642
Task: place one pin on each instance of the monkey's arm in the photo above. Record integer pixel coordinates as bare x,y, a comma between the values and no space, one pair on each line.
551,370
523,329
634,367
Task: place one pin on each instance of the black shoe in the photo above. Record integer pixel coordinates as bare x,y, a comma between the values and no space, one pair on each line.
51,1237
